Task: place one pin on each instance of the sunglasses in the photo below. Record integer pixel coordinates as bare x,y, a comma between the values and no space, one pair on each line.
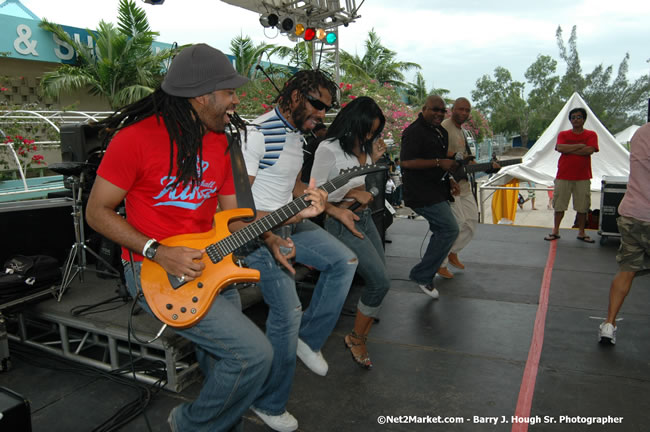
576,117
319,105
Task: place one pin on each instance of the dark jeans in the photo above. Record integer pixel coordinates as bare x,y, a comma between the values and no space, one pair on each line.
444,230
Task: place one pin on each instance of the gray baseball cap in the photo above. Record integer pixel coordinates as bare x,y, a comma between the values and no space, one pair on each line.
200,69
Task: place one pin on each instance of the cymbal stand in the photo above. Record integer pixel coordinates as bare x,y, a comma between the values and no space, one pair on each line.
76,262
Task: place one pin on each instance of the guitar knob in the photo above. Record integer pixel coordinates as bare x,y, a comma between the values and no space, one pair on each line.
193,310
174,317
169,306
195,299
199,285
183,309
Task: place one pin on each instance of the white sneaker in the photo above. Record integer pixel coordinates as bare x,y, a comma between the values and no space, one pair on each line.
313,360
607,333
430,290
284,422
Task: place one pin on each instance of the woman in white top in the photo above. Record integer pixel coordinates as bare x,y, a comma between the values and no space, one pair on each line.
353,140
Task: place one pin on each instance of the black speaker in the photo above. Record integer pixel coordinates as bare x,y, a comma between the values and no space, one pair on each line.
14,412
380,215
79,142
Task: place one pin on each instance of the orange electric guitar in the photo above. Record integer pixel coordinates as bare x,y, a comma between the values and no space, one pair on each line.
182,304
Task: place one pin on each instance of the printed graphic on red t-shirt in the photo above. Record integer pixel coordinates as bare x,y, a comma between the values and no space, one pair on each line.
137,160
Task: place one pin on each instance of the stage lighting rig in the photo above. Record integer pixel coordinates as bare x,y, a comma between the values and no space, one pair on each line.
269,20
287,24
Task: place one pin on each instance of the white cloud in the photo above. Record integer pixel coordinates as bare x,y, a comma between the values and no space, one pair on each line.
455,42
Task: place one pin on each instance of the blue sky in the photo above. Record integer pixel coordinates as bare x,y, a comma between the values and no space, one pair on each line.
454,42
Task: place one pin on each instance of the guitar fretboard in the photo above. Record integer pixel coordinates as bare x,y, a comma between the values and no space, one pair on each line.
227,245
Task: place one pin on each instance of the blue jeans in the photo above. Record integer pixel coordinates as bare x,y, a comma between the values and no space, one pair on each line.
235,358
444,230
372,260
286,321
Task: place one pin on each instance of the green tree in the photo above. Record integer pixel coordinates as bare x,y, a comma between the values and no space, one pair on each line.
248,56
378,62
502,99
572,81
121,67
616,102
299,55
417,92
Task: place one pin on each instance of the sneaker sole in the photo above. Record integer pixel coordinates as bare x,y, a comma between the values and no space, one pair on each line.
607,340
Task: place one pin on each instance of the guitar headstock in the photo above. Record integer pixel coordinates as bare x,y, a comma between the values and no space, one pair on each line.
362,170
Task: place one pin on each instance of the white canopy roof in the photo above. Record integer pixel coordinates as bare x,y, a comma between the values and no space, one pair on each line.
539,165
626,134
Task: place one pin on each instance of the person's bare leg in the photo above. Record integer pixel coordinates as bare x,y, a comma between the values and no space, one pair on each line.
582,219
557,221
618,290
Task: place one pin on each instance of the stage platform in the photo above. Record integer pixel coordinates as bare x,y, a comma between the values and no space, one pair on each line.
515,333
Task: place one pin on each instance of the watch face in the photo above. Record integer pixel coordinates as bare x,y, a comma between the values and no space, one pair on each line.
150,253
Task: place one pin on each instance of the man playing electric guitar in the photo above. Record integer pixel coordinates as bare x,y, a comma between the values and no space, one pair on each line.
169,160
273,155
464,206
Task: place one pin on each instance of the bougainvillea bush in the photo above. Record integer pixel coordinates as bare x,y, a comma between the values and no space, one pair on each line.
25,149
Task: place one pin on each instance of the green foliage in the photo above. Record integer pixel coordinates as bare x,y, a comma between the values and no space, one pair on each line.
478,125
617,103
378,63
398,114
122,67
248,55
256,97
23,148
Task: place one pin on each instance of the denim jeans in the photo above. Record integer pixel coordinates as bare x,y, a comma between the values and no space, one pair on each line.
235,358
372,260
444,230
286,322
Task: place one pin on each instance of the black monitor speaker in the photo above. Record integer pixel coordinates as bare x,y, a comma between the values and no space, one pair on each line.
380,214
79,142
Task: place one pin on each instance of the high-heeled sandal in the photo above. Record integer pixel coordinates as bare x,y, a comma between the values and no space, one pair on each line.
362,360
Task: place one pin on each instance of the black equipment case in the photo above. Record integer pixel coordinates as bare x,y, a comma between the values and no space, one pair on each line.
14,412
612,190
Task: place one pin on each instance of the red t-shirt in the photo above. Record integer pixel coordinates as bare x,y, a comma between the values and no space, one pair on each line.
137,160
571,166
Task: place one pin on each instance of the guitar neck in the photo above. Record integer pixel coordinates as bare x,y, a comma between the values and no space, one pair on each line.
272,220
478,167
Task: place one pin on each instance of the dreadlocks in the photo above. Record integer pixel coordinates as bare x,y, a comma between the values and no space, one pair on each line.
305,81
183,126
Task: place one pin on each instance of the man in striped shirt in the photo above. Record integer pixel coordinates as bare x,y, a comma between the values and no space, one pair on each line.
273,153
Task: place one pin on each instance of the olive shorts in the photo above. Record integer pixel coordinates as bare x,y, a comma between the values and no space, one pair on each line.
579,189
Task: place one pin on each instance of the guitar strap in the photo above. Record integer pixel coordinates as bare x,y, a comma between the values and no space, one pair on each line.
240,177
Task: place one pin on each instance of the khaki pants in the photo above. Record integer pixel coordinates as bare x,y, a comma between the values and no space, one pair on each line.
565,189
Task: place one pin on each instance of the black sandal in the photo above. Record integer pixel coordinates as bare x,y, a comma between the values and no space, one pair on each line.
362,360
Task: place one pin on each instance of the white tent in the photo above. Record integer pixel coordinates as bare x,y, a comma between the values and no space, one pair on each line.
626,134
539,165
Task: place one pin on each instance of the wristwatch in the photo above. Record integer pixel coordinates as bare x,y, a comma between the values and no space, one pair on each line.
151,249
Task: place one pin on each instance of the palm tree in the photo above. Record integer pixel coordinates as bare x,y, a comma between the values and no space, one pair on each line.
248,56
377,63
122,66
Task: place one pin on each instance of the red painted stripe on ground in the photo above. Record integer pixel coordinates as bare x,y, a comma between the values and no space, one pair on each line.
527,389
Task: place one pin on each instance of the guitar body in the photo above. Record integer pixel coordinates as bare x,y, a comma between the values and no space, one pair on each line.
184,306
